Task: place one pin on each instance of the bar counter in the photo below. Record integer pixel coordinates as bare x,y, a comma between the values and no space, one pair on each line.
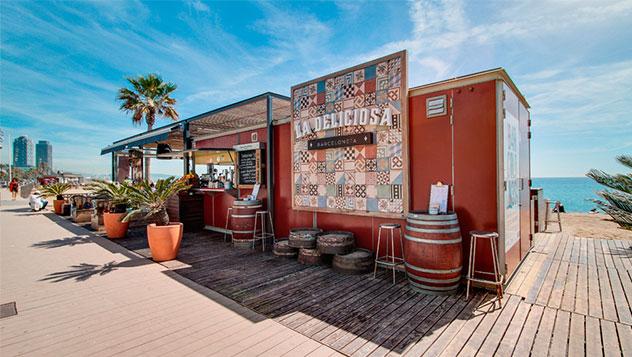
216,202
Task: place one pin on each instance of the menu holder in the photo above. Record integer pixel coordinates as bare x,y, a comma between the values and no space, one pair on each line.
438,198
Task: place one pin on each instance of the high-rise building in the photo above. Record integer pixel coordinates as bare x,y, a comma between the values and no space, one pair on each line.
23,152
44,154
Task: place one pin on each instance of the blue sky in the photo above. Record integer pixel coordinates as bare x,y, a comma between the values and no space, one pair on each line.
62,62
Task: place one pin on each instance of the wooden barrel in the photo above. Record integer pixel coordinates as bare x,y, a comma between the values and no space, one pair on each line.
359,261
335,242
432,247
309,256
303,237
242,221
282,249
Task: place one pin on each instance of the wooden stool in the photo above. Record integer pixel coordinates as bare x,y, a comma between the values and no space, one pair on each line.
265,218
548,219
388,260
226,231
493,243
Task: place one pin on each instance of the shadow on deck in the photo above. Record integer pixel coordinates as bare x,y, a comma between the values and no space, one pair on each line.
354,314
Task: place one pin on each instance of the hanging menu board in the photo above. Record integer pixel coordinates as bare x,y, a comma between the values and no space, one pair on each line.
249,167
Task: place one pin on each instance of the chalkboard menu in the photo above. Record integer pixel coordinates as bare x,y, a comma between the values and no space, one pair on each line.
249,167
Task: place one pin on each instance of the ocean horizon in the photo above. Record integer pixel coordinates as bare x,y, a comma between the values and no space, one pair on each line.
575,193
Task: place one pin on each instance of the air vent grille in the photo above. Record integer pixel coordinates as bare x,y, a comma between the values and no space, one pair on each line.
436,106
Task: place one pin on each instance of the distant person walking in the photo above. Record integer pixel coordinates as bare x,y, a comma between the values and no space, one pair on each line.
13,188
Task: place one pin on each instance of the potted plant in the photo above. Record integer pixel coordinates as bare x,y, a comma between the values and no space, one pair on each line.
116,210
164,237
56,190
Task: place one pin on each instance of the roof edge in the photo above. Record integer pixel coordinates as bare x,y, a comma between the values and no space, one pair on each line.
477,77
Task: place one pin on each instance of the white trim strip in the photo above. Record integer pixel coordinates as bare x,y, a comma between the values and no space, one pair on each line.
432,223
433,271
421,230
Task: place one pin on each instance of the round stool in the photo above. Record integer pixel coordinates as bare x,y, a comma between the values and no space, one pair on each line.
266,218
493,243
226,231
389,260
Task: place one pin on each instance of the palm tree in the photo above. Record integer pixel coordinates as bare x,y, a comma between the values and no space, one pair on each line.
618,196
148,97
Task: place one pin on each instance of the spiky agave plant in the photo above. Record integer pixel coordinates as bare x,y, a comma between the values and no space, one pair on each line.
618,198
55,190
116,193
151,202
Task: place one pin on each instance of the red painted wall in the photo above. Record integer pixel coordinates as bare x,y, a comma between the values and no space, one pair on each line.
284,217
475,195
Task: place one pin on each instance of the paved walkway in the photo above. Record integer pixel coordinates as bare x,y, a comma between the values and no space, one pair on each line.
78,294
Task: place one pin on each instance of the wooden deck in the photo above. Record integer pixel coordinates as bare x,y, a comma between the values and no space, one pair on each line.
570,297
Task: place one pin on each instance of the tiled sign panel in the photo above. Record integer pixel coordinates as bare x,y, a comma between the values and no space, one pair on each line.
354,179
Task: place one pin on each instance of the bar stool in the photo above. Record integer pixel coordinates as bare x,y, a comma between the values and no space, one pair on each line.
226,231
264,235
388,260
493,243
548,219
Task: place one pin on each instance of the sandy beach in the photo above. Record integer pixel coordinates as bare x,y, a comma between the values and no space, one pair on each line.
586,225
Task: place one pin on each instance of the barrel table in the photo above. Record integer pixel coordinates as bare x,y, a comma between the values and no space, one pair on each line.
303,237
359,261
433,248
282,249
335,242
309,256
242,222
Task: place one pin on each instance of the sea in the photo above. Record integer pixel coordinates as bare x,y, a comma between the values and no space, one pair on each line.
573,192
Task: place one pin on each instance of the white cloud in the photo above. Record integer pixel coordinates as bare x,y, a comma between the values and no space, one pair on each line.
198,5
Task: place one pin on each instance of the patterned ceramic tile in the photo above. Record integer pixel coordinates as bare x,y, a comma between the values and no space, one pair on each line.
364,178
371,165
383,178
371,178
369,99
397,162
382,69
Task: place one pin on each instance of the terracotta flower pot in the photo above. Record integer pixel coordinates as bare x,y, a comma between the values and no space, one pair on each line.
164,241
114,228
58,205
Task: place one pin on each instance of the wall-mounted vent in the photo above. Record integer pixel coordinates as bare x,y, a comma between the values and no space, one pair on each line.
436,106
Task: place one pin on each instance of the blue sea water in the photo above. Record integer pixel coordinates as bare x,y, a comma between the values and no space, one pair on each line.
573,192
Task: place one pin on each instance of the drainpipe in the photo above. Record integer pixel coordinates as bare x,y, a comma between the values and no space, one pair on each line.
270,157
186,141
114,167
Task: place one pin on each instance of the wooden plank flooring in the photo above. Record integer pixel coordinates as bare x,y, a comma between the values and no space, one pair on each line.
571,296
590,277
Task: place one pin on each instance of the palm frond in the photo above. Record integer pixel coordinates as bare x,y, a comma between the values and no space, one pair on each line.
151,201
618,200
55,189
625,160
148,96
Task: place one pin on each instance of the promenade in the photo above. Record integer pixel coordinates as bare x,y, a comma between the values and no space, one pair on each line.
78,294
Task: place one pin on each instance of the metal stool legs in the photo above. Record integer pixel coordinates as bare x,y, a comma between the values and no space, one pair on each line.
493,243
266,218
547,218
226,231
388,260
